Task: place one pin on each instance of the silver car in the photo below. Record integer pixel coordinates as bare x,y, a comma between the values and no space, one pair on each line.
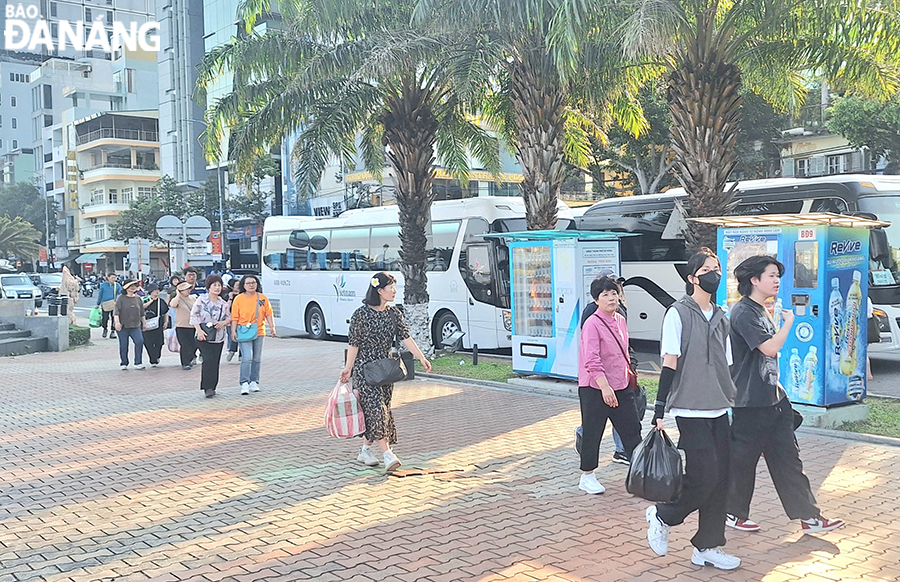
19,286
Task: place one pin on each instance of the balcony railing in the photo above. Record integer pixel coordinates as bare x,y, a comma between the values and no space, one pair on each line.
123,166
111,133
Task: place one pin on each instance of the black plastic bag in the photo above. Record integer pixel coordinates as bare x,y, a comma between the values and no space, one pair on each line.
656,469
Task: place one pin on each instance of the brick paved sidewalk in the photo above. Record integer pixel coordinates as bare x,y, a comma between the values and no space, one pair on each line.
133,475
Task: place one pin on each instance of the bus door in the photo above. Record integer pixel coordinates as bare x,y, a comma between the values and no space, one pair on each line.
478,271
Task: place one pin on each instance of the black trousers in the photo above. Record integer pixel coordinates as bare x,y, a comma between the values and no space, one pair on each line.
706,443
153,343
187,339
105,318
594,414
768,431
209,373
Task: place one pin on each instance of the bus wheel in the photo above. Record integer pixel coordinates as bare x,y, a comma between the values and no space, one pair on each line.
444,326
315,323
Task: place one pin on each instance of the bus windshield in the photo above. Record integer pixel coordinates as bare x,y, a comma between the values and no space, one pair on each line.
886,208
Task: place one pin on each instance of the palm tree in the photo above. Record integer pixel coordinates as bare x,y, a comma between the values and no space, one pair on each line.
714,50
343,71
556,84
18,238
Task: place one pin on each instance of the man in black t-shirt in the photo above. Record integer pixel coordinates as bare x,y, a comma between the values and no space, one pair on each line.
762,417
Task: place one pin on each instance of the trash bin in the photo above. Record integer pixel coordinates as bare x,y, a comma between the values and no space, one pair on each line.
53,306
64,305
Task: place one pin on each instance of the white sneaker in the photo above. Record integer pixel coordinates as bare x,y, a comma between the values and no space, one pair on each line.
153,365
245,389
123,367
254,387
366,457
657,533
139,366
391,462
590,484
715,557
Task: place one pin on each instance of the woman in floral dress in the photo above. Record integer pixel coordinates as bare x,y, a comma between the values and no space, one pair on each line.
372,330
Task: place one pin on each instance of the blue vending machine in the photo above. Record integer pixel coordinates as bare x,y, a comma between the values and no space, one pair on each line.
551,274
826,260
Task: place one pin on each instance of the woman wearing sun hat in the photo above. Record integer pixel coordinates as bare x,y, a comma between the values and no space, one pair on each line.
182,303
128,317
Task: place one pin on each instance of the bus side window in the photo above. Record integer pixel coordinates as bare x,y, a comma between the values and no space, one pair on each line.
835,205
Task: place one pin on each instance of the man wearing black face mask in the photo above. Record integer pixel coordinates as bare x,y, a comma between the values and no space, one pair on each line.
762,418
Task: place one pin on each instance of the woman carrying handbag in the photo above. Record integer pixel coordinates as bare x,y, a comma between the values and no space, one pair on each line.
250,314
157,320
373,328
210,317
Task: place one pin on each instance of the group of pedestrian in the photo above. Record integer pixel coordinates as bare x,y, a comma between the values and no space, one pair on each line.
203,319
719,380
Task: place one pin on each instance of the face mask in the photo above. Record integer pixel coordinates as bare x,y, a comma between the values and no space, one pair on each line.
709,282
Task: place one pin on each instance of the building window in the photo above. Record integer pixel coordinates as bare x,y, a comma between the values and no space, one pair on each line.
801,167
15,123
15,144
53,9
127,195
13,101
145,191
109,21
97,196
99,232
48,120
838,164
113,196
129,80
87,15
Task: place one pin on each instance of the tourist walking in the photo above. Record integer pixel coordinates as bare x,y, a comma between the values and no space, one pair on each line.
128,316
69,287
604,384
250,314
695,386
762,418
373,329
233,292
156,313
210,317
106,300
182,303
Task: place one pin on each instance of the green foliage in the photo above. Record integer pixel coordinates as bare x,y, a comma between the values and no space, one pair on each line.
25,200
884,418
79,336
18,238
759,122
868,123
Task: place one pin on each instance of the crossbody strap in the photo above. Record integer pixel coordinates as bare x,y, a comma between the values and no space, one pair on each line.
616,336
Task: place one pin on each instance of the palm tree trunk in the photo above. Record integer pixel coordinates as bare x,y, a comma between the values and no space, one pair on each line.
539,113
410,132
705,102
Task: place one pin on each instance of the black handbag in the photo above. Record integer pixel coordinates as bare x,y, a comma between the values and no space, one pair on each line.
210,330
386,371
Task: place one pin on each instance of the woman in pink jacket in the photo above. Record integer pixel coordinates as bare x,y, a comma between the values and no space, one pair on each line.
603,381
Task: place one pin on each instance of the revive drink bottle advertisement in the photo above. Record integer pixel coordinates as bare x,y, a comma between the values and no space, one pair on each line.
823,361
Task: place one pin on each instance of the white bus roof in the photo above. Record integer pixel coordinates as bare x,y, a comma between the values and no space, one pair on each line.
487,207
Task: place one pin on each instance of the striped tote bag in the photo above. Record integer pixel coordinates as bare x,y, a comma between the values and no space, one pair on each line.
343,414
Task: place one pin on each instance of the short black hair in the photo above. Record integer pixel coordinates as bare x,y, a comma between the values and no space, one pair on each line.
151,288
190,269
695,263
378,281
605,283
754,267
241,286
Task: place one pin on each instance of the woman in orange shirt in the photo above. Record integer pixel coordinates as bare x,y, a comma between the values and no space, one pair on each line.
250,312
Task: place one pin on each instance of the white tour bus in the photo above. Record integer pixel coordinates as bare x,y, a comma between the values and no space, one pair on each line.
651,262
316,271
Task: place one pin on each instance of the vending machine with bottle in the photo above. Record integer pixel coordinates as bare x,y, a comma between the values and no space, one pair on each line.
826,259
551,274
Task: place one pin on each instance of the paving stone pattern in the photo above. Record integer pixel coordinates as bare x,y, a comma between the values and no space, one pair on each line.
133,475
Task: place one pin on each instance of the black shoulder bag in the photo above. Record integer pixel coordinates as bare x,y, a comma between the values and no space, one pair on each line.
395,368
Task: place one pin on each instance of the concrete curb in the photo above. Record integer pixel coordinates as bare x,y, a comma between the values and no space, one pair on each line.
822,432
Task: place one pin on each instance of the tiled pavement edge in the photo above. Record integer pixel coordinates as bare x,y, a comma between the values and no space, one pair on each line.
112,475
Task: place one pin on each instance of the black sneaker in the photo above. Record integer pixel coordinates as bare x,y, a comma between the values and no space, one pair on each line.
210,392
105,333
621,458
